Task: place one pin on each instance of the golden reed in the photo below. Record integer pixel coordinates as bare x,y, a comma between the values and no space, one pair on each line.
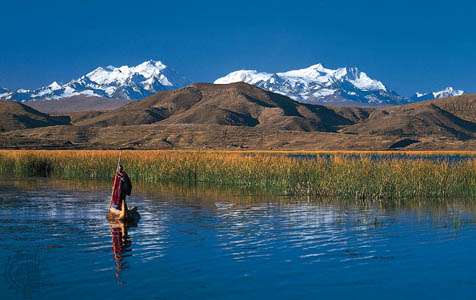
357,175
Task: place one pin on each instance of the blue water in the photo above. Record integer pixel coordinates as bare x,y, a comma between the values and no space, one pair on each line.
55,243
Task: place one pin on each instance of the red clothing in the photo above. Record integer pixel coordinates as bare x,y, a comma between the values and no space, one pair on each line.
116,199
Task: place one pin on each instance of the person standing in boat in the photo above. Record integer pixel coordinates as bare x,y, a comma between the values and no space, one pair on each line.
121,188
126,184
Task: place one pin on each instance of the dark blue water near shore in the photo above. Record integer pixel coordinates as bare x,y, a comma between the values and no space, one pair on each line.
56,244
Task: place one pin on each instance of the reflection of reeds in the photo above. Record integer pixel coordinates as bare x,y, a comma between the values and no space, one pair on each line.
356,177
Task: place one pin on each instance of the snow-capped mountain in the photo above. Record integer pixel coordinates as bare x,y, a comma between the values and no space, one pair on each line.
123,82
318,84
3,92
314,84
447,92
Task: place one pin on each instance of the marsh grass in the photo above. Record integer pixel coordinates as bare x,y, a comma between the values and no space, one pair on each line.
355,176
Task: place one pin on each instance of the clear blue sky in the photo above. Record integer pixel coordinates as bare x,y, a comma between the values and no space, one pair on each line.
409,45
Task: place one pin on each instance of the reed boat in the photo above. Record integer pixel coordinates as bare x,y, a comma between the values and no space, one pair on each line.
124,214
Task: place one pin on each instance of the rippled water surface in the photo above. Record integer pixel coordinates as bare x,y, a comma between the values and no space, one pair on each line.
55,243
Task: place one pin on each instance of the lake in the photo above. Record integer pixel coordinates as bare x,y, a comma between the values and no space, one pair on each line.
199,244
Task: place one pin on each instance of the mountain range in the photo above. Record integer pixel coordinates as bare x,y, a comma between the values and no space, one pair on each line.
124,82
313,85
320,85
240,115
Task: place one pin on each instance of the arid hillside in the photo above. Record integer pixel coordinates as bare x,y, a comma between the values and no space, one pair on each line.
237,104
451,118
77,104
15,116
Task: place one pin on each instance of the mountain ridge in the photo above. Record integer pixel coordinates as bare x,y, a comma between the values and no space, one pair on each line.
317,84
110,82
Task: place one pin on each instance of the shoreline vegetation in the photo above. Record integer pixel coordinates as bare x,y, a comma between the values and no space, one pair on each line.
367,176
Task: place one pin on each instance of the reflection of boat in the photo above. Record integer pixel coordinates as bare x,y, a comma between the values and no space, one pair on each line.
121,244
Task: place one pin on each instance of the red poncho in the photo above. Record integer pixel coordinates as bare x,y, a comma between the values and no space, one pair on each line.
116,200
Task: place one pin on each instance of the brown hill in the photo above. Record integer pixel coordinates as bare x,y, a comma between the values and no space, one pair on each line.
237,104
76,104
16,116
463,107
452,117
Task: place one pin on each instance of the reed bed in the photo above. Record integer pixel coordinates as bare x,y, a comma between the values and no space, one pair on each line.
346,175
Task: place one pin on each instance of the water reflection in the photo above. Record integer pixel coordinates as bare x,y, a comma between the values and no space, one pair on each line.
121,246
192,243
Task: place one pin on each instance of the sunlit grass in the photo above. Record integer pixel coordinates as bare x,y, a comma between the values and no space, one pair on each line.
375,176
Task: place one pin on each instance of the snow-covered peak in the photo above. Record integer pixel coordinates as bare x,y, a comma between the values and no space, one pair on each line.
54,86
448,92
362,81
419,94
120,75
248,76
111,73
444,93
317,83
150,67
125,82
310,73
4,93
